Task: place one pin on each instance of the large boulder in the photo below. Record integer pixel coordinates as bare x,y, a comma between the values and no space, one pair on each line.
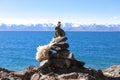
53,65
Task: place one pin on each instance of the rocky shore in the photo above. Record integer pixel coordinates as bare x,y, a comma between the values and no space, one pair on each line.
61,69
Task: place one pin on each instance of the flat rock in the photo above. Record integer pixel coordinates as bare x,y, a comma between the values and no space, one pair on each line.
59,64
113,71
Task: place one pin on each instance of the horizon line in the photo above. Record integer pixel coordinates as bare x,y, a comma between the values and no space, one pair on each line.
76,24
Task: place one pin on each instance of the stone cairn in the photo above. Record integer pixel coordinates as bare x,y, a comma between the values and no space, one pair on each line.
59,57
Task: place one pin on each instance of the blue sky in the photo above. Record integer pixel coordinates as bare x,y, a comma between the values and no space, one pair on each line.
51,11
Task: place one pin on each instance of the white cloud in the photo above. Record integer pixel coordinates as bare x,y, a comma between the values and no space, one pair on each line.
115,17
75,21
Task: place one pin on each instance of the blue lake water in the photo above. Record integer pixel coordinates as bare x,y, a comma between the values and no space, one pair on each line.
98,50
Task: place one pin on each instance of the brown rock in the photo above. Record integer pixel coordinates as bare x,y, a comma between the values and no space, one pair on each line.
75,76
19,74
35,77
4,70
5,79
62,54
60,46
4,74
113,71
54,65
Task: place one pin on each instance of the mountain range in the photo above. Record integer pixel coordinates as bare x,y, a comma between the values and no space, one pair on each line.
66,27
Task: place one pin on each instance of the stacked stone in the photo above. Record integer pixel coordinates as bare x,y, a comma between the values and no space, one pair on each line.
61,47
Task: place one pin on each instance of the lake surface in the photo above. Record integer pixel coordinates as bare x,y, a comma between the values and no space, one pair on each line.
98,50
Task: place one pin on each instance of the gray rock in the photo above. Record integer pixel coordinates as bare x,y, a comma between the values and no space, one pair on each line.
35,76
53,65
113,71
59,39
60,46
61,54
